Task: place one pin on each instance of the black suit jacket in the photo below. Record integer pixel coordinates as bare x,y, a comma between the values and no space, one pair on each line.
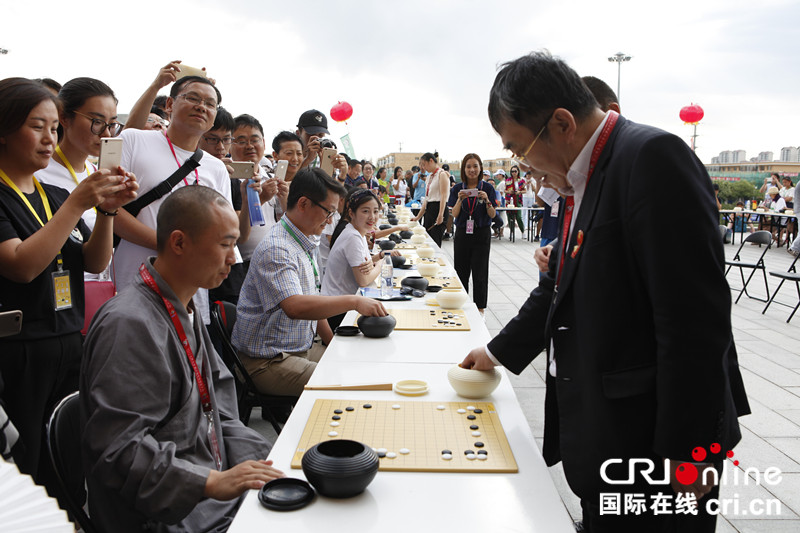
640,323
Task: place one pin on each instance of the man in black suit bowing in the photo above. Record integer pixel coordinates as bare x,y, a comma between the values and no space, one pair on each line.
635,316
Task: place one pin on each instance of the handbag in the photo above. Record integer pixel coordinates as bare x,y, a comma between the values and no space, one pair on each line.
96,293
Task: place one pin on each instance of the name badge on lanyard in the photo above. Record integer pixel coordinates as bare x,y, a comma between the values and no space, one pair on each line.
62,293
470,226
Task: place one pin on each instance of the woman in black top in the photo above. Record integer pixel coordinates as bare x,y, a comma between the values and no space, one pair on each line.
44,249
473,202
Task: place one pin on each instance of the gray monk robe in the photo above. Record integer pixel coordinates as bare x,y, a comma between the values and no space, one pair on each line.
145,445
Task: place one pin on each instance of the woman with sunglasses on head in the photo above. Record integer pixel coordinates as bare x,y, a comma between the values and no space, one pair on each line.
434,208
45,247
350,264
515,187
473,202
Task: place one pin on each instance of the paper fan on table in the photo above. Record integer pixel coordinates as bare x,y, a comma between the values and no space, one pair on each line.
25,507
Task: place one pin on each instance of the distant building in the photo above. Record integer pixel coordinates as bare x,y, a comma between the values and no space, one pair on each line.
399,159
789,154
765,156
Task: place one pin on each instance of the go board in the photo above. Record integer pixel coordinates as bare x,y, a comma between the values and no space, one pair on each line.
429,319
415,260
414,436
448,282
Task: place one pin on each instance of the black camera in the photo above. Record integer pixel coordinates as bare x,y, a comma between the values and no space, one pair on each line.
325,142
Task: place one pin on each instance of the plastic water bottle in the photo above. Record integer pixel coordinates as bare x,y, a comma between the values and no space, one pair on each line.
387,273
256,215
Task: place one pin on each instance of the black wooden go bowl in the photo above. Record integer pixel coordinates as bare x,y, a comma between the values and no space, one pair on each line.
340,468
415,282
376,326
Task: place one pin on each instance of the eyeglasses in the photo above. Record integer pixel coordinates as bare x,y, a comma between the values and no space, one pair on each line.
214,140
522,158
255,140
99,126
329,214
196,100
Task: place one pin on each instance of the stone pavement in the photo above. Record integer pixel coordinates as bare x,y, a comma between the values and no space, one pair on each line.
769,356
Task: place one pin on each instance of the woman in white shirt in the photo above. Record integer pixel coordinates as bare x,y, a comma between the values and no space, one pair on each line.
88,112
350,264
400,185
434,208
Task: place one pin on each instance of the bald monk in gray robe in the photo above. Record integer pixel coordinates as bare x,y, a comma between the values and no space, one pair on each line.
146,447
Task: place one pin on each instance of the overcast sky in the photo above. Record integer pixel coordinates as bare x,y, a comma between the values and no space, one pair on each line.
419,72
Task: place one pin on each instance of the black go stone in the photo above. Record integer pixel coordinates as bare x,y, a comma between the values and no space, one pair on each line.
367,406
483,452
350,408
473,426
478,411
471,417
381,454
337,417
479,445
337,411
447,451
467,452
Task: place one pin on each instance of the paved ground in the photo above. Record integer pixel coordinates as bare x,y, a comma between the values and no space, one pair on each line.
769,354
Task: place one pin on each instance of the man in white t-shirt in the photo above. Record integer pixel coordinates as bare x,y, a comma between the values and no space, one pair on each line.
155,155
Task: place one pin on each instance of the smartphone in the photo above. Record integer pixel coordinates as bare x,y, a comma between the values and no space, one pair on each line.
326,160
110,153
280,169
186,70
242,170
471,192
10,323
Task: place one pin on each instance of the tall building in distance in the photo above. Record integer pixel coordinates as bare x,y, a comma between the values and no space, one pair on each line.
765,156
399,159
790,154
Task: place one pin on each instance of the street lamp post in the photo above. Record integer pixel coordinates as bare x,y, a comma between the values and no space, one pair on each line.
618,58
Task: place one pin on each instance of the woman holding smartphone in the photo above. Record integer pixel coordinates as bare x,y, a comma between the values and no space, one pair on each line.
400,185
45,247
350,264
434,207
473,202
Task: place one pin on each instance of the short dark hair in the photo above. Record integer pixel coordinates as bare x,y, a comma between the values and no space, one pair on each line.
285,137
314,184
75,92
528,89
176,87
187,210
248,120
158,112
160,101
601,91
427,156
18,96
49,83
223,120
353,162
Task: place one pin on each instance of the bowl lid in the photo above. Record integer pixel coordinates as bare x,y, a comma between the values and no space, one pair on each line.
411,387
347,331
285,494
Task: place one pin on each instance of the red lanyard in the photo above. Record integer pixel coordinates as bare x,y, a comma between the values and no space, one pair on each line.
196,175
471,205
430,181
570,203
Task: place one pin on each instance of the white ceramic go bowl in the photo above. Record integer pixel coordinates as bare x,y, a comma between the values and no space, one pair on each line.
473,383
428,269
450,298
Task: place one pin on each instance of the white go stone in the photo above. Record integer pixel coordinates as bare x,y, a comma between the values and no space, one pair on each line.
476,433
447,456
404,451
462,411
332,434
381,450
334,424
471,456
396,406
441,407
391,455
482,457
470,408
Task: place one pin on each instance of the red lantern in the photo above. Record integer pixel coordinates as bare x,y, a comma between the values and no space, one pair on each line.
692,114
341,112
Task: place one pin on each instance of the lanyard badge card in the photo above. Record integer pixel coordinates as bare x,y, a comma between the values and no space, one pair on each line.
62,294
470,226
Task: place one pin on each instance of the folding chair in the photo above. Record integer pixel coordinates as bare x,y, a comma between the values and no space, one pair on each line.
790,275
64,446
759,237
223,318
